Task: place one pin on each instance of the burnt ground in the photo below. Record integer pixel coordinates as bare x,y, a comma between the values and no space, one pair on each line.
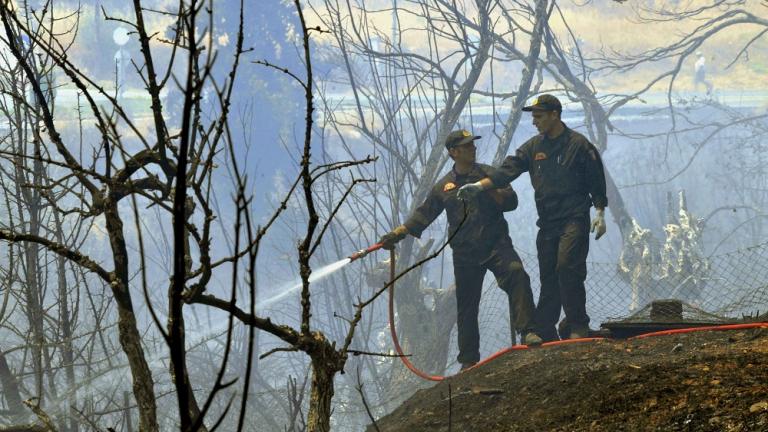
705,381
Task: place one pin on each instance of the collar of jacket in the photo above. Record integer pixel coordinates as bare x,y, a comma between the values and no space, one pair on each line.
566,134
454,173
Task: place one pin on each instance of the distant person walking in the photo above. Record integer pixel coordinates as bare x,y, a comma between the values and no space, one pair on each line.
700,73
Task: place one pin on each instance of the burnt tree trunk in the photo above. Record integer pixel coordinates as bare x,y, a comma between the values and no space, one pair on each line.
10,389
321,394
130,338
326,361
27,184
65,325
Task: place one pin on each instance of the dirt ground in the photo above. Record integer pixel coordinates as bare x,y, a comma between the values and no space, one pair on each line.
705,381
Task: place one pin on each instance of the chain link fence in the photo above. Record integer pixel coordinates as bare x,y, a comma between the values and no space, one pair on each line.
734,288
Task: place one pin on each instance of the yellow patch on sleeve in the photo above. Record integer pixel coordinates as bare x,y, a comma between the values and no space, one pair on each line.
449,186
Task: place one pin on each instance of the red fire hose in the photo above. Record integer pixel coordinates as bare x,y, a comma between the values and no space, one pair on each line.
396,341
393,331
708,328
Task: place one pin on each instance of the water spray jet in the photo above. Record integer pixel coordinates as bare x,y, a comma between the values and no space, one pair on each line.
318,274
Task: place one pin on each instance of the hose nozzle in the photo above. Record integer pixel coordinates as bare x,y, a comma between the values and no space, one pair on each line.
363,252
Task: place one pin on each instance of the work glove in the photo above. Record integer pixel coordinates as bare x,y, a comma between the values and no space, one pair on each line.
390,239
598,224
469,191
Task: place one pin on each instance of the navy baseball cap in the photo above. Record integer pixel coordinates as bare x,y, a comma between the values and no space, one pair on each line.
459,137
545,102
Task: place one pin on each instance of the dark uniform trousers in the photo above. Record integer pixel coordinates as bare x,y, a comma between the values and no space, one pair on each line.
562,252
508,269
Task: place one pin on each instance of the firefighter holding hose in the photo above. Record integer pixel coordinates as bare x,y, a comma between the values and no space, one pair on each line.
479,243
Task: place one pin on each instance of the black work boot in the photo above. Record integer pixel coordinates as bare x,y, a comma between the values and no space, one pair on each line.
465,366
579,333
532,339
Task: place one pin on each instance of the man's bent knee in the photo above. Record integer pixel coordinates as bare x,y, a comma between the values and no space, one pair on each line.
514,278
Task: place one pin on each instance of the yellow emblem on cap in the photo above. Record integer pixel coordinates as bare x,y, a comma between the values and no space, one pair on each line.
535,101
465,133
449,186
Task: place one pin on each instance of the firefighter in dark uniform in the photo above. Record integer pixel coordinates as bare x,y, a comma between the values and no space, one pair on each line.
480,243
568,178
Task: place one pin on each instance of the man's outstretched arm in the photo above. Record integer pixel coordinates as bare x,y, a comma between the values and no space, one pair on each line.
470,190
509,170
421,218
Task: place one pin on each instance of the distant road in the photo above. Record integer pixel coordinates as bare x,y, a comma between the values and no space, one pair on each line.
482,110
